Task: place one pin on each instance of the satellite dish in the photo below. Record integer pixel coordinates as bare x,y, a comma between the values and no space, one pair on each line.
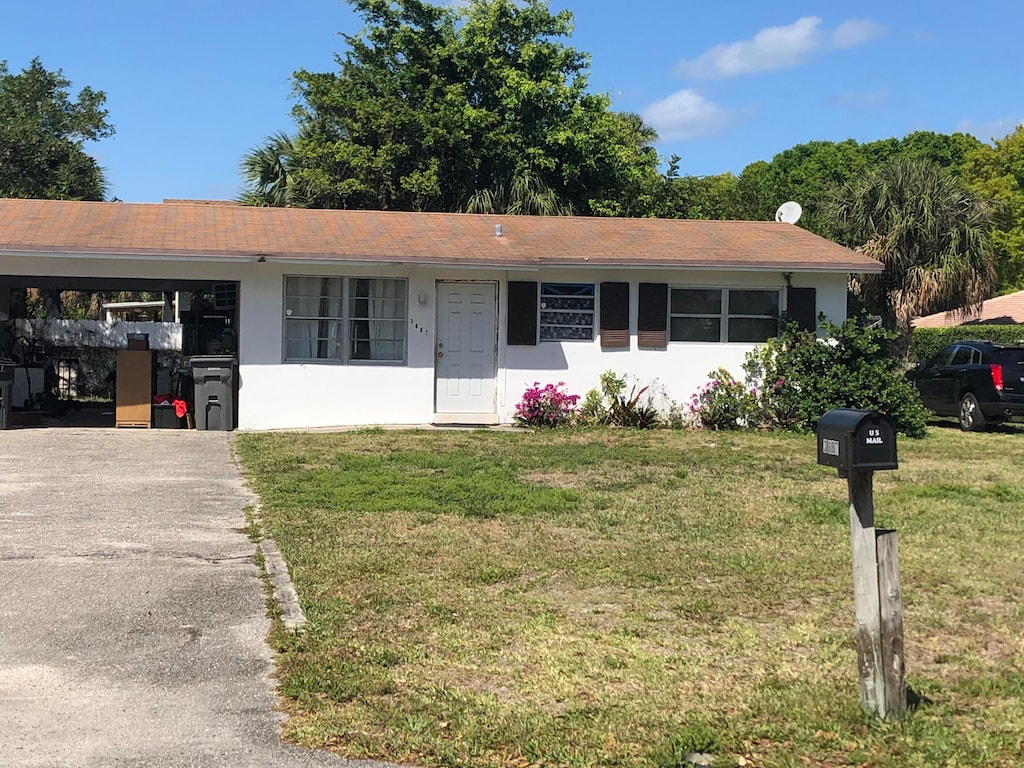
789,212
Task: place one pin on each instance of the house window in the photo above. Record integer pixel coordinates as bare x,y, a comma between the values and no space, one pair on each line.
344,319
566,311
723,314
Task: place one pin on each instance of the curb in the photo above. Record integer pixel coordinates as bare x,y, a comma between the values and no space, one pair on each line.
284,592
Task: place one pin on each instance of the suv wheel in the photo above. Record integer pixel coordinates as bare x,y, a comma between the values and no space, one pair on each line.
971,417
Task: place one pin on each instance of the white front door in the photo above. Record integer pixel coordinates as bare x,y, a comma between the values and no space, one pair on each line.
467,348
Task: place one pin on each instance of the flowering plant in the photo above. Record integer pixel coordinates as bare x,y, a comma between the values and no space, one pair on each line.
724,403
547,406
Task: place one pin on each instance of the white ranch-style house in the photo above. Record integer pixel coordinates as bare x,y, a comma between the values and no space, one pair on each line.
368,317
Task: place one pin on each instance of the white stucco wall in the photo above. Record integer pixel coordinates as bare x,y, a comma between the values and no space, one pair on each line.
277,395
680,369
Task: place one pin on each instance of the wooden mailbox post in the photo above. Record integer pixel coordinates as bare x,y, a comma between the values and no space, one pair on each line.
857,443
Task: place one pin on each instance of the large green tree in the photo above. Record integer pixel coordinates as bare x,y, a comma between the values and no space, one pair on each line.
996,173
930,233
439,107
42,133
806,173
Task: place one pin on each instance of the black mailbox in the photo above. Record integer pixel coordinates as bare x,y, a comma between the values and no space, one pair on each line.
856,440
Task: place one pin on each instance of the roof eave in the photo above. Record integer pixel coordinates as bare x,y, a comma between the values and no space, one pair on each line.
152,254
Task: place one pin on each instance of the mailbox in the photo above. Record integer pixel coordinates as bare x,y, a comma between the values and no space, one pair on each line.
856,440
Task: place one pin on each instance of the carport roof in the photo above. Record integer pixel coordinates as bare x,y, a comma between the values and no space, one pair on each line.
234,232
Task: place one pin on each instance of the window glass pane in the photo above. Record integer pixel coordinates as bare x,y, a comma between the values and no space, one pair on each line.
752,328
942,357
566,318
565,333
313,296
300,339
378,340
373,299
754,302
302,306
696,329
567,289
696,301
302,286
567,312
962,356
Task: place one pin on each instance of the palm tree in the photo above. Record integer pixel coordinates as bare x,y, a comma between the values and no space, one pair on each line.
527,195
269,174
930,234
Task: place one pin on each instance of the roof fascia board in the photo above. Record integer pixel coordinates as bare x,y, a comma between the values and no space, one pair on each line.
840,269
106,255
527,267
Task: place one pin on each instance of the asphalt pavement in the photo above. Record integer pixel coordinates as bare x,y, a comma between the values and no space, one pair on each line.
132,616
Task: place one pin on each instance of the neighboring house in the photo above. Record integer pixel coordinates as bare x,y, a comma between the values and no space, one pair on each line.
1002,310
368,317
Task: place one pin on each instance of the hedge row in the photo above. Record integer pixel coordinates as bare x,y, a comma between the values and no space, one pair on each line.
927,341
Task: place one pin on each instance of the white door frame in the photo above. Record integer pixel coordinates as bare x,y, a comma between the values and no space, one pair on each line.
483,417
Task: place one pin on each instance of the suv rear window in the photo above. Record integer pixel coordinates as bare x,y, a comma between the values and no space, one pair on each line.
1012,356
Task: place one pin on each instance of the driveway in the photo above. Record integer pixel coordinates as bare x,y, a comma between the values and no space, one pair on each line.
132,617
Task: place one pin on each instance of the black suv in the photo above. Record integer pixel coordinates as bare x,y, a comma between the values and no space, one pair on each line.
976,381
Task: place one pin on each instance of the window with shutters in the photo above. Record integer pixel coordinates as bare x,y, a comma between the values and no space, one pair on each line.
723,314
567,312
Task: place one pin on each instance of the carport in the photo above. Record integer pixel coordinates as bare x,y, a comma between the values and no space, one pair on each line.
66,367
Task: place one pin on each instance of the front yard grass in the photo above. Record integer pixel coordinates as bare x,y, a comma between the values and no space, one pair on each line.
613,598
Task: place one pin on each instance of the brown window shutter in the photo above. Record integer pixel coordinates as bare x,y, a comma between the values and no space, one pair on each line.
802,308
522,313
652,316
615,314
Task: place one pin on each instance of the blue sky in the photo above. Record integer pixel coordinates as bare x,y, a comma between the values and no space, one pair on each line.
192,85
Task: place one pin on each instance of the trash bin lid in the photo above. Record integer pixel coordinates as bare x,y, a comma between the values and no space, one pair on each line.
201,361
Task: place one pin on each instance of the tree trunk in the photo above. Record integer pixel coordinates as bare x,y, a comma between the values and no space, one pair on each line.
19,304
51,304
900,347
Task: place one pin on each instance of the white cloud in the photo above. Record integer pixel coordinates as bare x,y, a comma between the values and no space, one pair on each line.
688,115
778,48
771,48
854,32
863,100
990,130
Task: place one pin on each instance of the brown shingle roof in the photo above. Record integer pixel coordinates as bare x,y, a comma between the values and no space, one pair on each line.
1002,310
213,231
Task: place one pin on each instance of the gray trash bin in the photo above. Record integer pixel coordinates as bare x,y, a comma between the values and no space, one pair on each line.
213,379
6,391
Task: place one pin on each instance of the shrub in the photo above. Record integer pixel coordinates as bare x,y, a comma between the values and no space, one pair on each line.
610,406
724,403
799,377
597,402
547,406
925,342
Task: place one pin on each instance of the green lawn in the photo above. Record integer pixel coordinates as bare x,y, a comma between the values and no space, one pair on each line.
611,598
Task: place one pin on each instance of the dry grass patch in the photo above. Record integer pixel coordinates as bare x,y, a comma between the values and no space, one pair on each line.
619,598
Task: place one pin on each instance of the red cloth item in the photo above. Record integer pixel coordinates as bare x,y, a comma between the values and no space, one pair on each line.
180,406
